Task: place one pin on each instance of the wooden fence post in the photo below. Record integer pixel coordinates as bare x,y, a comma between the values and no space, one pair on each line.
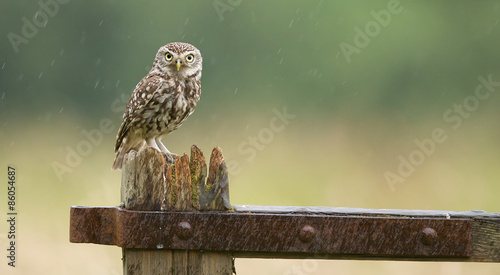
151,184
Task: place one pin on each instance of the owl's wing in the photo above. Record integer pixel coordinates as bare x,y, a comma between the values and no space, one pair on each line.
142,95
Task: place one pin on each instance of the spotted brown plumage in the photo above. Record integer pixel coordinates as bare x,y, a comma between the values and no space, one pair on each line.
161,101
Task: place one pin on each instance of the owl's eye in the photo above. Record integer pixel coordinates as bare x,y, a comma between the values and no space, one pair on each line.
168,56
190,58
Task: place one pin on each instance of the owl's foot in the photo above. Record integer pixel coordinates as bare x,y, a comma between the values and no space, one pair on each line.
170,157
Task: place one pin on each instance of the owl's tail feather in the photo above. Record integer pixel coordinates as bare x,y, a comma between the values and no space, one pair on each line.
126,146
118,163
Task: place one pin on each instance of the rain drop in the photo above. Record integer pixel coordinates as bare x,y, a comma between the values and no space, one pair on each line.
186,22
101,23
61,110
117,82
290,26
82,38
235,91
3,65
3,96
40,75
97,83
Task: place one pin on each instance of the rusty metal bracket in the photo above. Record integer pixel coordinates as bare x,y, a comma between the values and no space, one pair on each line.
258,231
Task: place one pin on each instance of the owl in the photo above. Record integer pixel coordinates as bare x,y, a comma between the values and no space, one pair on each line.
161,101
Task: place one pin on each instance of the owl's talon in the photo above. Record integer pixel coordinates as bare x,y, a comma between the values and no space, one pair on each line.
170,157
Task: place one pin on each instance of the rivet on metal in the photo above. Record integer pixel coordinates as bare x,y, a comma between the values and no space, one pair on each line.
184,231
307,234
429,236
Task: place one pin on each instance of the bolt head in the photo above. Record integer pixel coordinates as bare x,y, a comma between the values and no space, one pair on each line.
307,234
429,236
184,231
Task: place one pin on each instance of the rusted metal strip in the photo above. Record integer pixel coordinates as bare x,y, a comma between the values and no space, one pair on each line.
251,232
349,211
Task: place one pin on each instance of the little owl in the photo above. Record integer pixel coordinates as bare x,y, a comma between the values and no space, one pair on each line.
161,101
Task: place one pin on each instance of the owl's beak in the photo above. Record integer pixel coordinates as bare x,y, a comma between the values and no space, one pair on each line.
178,64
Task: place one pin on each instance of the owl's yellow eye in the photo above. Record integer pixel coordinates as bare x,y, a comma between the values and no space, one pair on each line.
190,58
168,56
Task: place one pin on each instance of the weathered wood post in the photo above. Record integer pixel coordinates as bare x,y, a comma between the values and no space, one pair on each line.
151,184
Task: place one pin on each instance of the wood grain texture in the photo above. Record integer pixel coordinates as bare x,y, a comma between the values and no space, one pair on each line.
486,240
142,180
149,183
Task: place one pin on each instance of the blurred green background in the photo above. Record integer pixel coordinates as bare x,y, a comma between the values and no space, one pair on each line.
359,88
